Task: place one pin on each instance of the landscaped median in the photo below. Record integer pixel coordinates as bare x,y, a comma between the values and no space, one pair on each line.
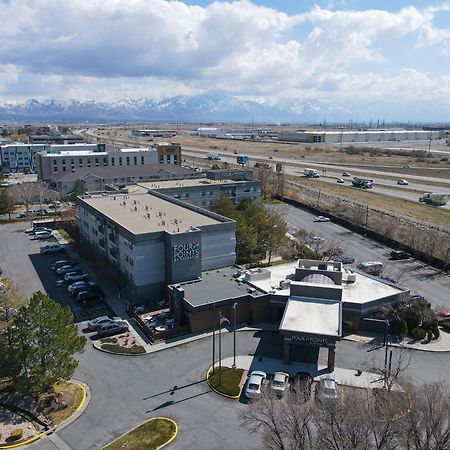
153,434
230,385
122,345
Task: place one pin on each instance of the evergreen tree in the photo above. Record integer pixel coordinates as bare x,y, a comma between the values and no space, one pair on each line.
40,344
78,189
6,203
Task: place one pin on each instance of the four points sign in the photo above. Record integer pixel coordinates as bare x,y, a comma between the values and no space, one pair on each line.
184,252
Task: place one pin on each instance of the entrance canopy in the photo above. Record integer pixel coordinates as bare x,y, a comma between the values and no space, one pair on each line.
312,320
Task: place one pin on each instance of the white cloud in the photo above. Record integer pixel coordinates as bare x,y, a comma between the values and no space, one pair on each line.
109,49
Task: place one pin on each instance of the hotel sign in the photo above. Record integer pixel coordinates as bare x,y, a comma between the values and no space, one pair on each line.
185,252
309,340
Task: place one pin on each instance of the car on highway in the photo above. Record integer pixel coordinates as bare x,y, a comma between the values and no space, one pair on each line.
303,381
95,324
110,329
327,388
255,383
340,180
280,383
346,174
83,285
402,182
67,269
51,248
345,259
400,254
72,277
321,219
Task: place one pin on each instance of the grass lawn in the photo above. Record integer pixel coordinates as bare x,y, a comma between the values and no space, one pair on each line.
72,393
65,235
149,435
134,350
231,379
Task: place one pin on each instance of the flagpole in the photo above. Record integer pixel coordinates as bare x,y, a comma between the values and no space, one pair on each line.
220,350
234,337
214,337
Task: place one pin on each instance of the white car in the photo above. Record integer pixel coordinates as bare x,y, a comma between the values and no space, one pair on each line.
51,248
321,219
340,180
43,235
346,174
96,323
280,383
328,388
254,384
402,182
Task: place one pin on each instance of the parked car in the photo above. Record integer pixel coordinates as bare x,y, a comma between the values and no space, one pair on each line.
317,239
400,254
443,317
62,262
280,383
95,291
321,219
303,382
67,269
43,235
72,277
254,384
346,174
80,285
41,230
51,248
88,296
340,180
95,324
327,389
110,329
345,259
371,267
402,182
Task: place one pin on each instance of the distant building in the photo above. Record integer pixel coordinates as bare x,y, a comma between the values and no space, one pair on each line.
22,157
56,139
154,133
168,153
208,131
348,137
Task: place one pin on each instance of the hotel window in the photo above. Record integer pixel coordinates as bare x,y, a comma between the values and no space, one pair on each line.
142,160
80,162
203,193
120,160
105,162
128,160
161,159
135,160
96,162
89,162
112,161
210,193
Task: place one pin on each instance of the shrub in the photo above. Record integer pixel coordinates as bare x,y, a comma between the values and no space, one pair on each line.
436,332
422,333
16,434
134,350
415,332
403,328
429,335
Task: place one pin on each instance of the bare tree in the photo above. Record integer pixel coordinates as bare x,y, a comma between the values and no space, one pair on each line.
24,193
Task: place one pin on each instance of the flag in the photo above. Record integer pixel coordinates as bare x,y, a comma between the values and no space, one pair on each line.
223,319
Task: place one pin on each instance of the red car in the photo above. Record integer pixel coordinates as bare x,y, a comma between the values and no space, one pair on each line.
443,317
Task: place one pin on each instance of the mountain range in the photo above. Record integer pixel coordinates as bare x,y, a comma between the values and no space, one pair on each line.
204,108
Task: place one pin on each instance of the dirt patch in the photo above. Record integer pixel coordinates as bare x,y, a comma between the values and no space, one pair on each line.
10,421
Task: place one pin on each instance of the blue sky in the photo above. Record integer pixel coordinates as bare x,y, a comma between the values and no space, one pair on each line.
353,54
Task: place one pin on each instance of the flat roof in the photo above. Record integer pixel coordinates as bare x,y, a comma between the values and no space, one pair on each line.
137,149
146,213
187,183
74,153
277,273
215,286
366,289
312,316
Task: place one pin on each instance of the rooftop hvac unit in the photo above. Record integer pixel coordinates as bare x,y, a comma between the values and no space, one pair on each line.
284,284
135,208
146,207
351,278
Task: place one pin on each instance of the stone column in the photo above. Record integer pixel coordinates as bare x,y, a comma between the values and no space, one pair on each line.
286,352
331,358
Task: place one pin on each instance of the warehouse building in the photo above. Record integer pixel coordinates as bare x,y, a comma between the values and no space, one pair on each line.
154,240
348,137
310,301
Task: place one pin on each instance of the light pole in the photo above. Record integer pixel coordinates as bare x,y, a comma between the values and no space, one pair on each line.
234,337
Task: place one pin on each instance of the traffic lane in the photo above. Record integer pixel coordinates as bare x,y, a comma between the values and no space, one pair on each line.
412,274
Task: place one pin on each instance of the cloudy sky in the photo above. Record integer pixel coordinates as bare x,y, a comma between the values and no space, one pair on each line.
343,51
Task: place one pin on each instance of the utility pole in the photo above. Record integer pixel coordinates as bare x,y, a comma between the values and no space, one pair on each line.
234,336
367,220
214,338
220,349
386,325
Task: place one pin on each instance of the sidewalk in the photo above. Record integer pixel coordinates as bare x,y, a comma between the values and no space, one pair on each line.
344,377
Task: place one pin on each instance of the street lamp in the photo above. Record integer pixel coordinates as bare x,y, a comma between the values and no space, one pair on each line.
234,337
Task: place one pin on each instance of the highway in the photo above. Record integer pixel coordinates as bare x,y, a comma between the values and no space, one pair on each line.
415,275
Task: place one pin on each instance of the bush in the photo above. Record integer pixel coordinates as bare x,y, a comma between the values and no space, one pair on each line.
403,328
429,335
415,333
134,350
436,332
422,333
16,434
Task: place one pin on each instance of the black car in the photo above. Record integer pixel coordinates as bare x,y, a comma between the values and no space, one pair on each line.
303,383
400,254
345,259
88,296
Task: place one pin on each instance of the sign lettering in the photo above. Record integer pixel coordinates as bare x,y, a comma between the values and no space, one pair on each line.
309,340
185,252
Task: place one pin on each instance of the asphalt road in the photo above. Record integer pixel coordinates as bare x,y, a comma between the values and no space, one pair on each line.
128,390
415,275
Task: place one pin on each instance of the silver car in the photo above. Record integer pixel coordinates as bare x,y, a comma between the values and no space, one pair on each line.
255,383
280,383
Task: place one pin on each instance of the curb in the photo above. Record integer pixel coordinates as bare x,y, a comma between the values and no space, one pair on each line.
98,347
232,397
171,439
78,411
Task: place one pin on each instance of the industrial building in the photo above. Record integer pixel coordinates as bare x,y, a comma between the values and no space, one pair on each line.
22,157
56,139
154,240
348,137
310,301
153,133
